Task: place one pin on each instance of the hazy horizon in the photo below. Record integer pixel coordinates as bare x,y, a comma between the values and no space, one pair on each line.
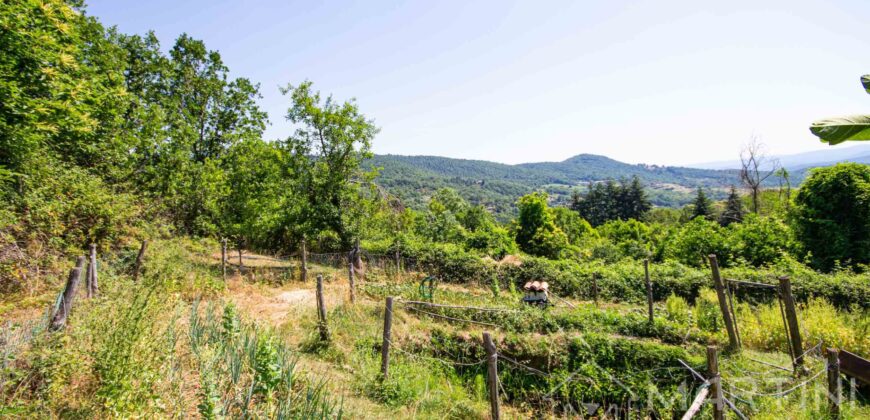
673,83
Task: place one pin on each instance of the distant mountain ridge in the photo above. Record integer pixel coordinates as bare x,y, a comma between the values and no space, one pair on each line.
798,161
497,186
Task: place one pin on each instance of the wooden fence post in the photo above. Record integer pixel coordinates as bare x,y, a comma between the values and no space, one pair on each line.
350,277
321,310
492,375
715,383
834,383
241,262
385,347
304,262
139,258
58,319
649,291
224,259
792,321
93,288
723,303
398,262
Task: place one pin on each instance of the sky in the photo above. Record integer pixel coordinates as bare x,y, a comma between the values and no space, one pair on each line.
659,82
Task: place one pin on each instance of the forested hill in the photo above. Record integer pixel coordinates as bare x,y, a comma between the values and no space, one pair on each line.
498,186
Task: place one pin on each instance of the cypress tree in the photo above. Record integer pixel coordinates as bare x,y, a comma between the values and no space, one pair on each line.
733,209
702,205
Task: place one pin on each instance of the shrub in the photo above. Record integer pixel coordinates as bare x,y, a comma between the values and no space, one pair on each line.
832,215
698,239
677,309
707,314
760,240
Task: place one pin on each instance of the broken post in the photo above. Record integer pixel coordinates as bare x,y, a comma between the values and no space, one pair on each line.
649,291
61,312
385,347
834,390
723,303
321,310
715,383
492,375
139,258
792,321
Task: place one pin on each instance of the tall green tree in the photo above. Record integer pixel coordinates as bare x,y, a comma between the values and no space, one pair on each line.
733,212
701,205
537,232
331,141
611,201
832,215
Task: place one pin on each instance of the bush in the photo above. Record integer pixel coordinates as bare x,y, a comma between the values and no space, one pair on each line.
698,239
832,215
760,240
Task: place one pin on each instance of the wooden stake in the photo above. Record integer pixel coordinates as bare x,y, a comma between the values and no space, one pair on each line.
649,291
492,375
834,390
715,383
224,259
241,263
59,317
791,319
350,277
398,263
139,259
304,262
723,303
92,268
321,310
385,347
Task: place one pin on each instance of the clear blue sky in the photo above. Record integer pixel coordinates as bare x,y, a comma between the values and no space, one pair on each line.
662,82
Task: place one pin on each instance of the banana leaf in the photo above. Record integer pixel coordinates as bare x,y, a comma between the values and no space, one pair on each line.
837,130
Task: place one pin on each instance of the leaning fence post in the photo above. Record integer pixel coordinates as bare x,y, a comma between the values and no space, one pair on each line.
723,303
791,319
492,375
304,261
224,259
385,347
715,383
139,259
93,288
321,310
834,383
58,319
649,291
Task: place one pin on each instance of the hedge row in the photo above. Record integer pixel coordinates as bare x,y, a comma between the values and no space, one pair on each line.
624,280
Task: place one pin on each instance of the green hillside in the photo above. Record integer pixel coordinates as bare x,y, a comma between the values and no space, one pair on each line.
498,186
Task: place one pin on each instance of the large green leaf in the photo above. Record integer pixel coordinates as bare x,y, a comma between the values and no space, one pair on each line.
840,129
865,81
